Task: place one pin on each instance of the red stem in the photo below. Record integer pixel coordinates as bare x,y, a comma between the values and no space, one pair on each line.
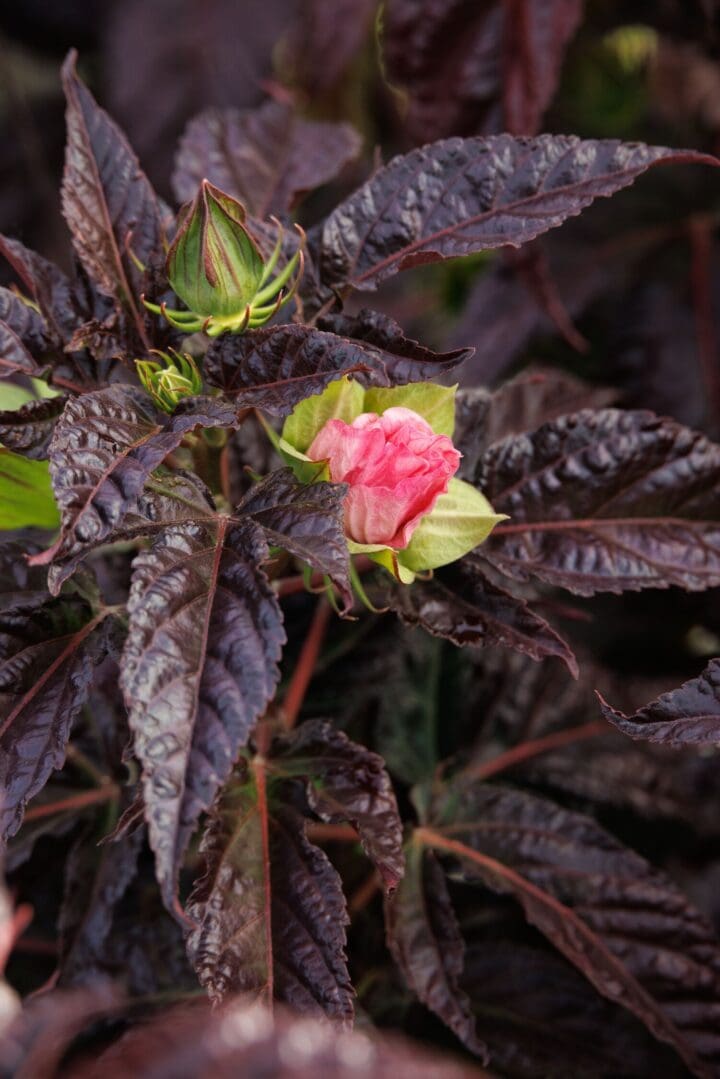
329,833
306,664
536,747
365,893
701,234
258,767
77,801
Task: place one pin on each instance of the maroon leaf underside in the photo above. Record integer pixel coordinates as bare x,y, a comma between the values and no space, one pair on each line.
199,667
268,158
474,194
606,501
687,716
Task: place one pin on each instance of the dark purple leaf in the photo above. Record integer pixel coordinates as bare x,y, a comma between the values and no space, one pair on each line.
346,782
687,716
606,501
28,429
274,369
268,158
199,667
305,520
24,321
96,879
625,926
540,1017
463,606
47,654
50,288
269,908
104,448
425,941
14,356
457,196
482,66
326,40
246,1039
107,200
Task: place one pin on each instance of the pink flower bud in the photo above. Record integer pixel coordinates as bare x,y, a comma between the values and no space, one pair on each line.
396,468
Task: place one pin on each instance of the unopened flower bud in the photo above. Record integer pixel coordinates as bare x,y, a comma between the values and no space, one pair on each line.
170,379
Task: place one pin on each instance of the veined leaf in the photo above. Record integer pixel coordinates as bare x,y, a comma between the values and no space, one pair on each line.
457,196
269,908
687,716
27,430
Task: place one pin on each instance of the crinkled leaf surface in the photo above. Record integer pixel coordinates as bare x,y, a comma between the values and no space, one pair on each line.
276,368
306,520
425,941
457,196
346,782
687,716
463,606
630,931
104,448
266,157
606,501
269,908
199,667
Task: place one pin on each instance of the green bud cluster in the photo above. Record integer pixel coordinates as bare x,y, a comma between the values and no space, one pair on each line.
170,378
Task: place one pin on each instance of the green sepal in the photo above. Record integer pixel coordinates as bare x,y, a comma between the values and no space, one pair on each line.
436,404
461,519
341,400
26,495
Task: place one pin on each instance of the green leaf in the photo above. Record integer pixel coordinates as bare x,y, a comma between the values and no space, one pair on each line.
462,518
341,400
26,496
436,404
12,397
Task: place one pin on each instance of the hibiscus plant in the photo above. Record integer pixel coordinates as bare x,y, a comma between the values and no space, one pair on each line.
285,592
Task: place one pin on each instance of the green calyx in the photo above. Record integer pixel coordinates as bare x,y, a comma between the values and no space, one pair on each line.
216,268
174,376
461,519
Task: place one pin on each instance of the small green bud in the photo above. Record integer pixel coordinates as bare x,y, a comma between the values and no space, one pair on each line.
169,380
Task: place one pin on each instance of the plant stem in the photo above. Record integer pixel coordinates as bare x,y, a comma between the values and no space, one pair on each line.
305,666
328,833
77,801
535,748
364,894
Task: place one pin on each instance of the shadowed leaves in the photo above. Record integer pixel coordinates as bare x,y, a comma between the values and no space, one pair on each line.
48,649
457,196
268,158
270,909
463,606
626,927
276,368
687,716
199,667
346,782
477,67
606,501
425,941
